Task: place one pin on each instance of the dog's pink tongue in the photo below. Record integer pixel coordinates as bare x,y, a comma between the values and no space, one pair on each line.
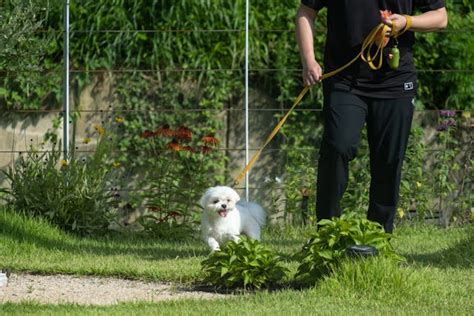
223,213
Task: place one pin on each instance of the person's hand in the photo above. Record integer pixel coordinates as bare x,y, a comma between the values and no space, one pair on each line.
312,73
400,22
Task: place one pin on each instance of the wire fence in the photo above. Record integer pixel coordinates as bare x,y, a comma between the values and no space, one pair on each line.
158,108
195,70
450,30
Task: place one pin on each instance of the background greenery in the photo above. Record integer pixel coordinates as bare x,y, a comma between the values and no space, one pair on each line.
178,63
163,36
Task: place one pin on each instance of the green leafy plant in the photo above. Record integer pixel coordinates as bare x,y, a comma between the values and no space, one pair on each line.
300,134
246,263
327,246
446,164
73,194
356,196
415,188
299,184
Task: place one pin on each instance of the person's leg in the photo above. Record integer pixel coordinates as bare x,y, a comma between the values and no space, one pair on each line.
388,127
344,117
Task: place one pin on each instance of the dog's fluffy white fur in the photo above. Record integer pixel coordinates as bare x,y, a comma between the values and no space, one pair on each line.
225,217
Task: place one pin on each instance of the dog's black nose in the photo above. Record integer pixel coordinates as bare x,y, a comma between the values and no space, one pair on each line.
223,205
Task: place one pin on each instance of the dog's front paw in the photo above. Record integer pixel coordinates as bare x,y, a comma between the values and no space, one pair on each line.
213,244
235,238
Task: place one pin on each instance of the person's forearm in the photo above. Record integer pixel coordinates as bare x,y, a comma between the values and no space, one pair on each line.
304,33
430,21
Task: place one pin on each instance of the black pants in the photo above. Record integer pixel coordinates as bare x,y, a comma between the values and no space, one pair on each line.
388,127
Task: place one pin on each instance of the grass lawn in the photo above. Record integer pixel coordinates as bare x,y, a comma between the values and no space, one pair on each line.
438,277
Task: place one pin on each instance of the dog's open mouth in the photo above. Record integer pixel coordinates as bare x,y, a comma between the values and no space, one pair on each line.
222,213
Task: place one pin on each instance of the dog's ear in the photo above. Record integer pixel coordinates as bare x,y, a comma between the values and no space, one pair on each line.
235,196
202,201
204,198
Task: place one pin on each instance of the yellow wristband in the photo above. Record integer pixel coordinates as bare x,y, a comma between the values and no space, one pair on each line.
407,25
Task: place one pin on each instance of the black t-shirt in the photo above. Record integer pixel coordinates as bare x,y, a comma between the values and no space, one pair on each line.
349,22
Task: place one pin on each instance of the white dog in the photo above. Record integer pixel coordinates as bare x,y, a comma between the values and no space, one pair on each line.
225,217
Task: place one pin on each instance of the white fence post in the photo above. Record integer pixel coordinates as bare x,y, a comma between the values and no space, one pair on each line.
66,116
247,7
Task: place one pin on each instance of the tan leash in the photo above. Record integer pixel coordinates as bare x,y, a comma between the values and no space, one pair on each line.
375,38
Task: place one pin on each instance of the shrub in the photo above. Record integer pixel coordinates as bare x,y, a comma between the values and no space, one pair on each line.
71,194
246,263
326,248
26,54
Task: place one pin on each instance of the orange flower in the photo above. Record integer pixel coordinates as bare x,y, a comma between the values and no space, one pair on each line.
173,214
87,140
174,146
116,164
119,119
206,149
183,133
63,163
147,134
154,208
210,140
165,130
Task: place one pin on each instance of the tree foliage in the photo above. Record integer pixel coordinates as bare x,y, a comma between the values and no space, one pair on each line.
165,35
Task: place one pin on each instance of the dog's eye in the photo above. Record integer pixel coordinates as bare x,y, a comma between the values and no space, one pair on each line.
215,201
228,200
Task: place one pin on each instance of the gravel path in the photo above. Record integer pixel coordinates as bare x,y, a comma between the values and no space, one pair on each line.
55,289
